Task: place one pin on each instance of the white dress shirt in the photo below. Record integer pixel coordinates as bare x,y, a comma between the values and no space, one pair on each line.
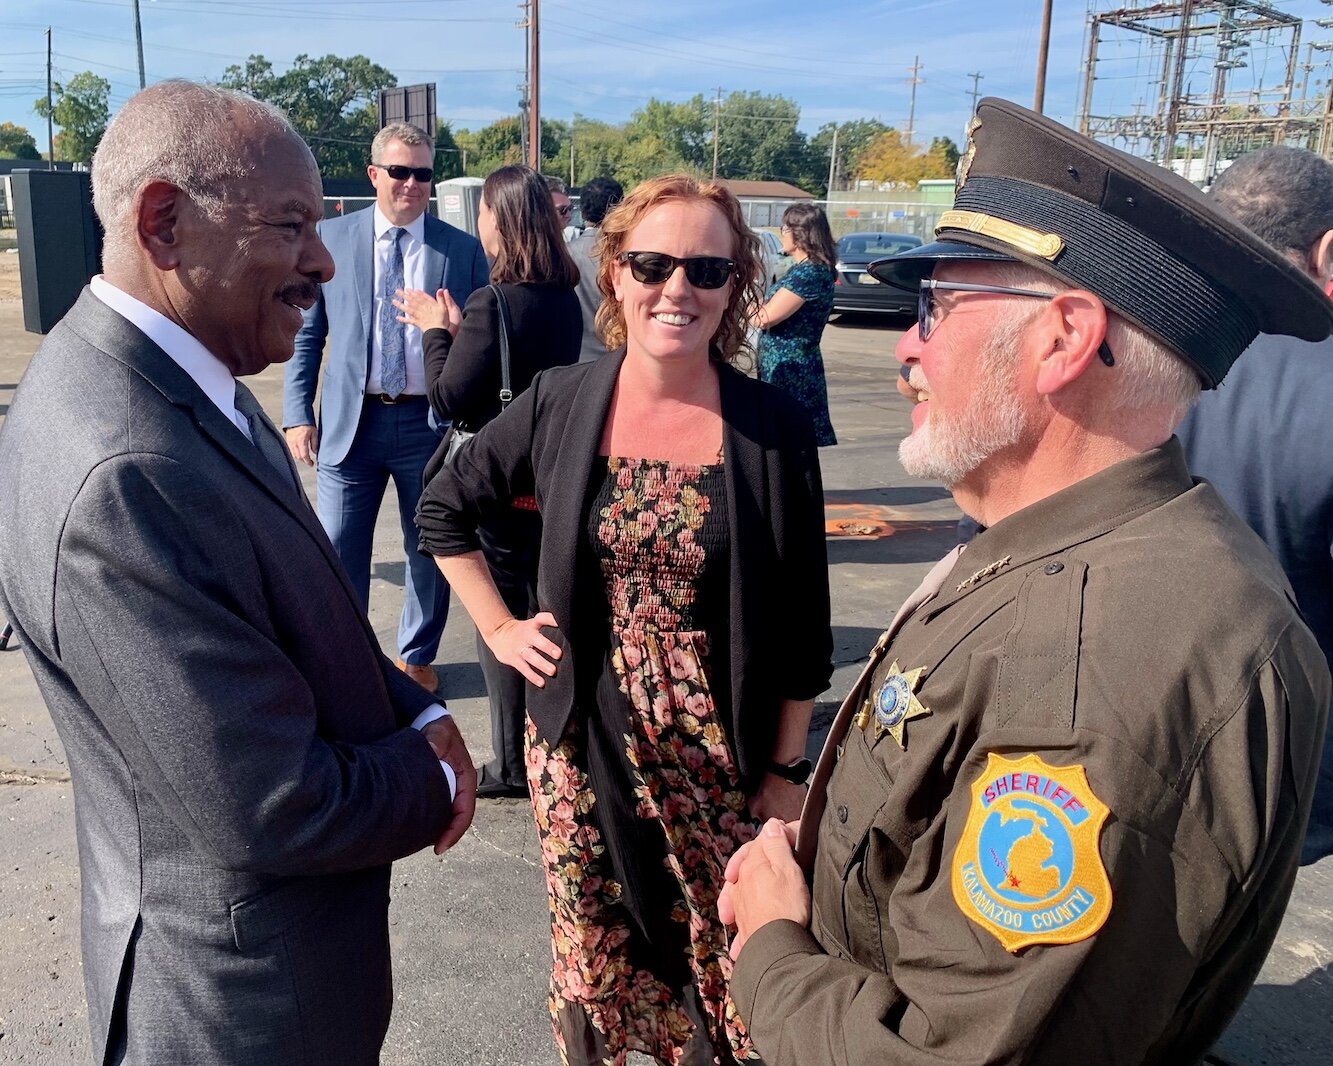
205,369
414,277
217,383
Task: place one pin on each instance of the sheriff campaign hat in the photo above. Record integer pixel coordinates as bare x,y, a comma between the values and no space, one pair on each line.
1143,239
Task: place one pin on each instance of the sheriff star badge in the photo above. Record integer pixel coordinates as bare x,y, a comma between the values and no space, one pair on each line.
894,705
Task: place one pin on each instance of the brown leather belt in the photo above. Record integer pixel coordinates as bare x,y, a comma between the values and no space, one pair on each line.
394,401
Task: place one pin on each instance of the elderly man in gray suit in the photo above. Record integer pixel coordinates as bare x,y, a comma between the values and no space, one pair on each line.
246,761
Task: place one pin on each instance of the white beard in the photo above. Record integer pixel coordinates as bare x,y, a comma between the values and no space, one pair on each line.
947,448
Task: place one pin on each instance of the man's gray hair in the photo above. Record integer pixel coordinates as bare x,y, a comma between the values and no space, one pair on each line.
555,185
1148,373
405,132
199,138
1285,195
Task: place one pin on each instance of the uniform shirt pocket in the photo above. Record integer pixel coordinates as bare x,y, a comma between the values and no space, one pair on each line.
845,903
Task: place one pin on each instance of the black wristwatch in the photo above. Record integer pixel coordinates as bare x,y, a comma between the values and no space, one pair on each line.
797,772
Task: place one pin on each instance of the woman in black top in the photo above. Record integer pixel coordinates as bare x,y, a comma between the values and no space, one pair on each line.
520,232
682,631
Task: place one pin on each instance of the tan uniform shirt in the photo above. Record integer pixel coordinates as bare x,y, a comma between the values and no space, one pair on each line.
1131,626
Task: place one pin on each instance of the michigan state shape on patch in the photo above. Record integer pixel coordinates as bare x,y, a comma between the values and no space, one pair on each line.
1028,868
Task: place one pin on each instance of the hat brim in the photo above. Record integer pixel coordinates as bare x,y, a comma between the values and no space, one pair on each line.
908,269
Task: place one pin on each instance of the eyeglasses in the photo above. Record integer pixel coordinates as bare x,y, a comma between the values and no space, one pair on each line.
701,271
927,307
566,211
401,173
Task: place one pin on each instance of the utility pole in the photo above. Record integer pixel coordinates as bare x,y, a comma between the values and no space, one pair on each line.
571,155
525,24
717,126
976,90
913,81
1043,53
50,109
138,43
833,160
534,88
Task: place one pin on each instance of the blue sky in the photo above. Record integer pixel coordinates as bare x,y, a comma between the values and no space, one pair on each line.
839,60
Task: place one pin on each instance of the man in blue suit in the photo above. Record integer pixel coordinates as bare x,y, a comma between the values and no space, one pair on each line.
374,417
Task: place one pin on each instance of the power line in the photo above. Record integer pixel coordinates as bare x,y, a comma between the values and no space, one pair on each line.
728,47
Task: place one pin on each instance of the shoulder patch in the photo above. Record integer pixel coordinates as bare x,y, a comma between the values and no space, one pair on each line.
1028,868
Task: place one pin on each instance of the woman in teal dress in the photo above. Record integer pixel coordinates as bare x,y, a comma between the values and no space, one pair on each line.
792,319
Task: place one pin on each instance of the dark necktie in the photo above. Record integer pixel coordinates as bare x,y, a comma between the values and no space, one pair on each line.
266,438
393,355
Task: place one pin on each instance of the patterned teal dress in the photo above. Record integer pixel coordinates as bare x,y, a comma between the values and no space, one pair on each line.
789,355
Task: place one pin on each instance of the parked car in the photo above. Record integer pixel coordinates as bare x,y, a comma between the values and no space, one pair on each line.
855,290
776,261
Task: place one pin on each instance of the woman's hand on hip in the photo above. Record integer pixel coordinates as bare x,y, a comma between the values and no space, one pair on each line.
520,643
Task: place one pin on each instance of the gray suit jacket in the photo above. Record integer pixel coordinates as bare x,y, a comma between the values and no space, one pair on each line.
584,252
454,261
242,774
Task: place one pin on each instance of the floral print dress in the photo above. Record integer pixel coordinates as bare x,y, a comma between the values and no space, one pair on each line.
789,355
639,805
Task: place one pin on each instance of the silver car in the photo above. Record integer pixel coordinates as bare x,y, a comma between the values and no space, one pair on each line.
776,261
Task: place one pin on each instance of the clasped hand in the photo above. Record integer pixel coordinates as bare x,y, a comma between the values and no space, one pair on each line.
449,747
764,884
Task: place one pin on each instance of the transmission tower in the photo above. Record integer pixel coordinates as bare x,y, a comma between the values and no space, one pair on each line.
1221,76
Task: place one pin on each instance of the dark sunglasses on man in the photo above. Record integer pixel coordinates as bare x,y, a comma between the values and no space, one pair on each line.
701,271
401,173
566,211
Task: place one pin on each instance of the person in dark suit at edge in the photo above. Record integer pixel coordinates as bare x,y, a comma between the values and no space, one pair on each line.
1261,438
246,762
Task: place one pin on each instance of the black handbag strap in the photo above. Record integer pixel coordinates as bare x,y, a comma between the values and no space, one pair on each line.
506,392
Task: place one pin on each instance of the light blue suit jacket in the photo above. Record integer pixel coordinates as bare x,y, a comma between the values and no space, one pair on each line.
454,261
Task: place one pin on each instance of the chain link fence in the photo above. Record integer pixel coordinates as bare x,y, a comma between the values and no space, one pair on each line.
855,216
845,216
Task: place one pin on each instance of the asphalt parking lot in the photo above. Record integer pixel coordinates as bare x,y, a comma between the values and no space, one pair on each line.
469,931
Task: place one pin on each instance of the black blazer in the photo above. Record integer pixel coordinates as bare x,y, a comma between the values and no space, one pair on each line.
463,373
781,646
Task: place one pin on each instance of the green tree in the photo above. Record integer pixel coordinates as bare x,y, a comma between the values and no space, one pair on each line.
332,102
599,148
493,146
501,143
555,148
448,155
759,141
17,143
853,138
81,111
945,154
683,133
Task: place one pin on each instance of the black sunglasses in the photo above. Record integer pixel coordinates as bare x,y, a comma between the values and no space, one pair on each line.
566,211
400,173
927,306
701,271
